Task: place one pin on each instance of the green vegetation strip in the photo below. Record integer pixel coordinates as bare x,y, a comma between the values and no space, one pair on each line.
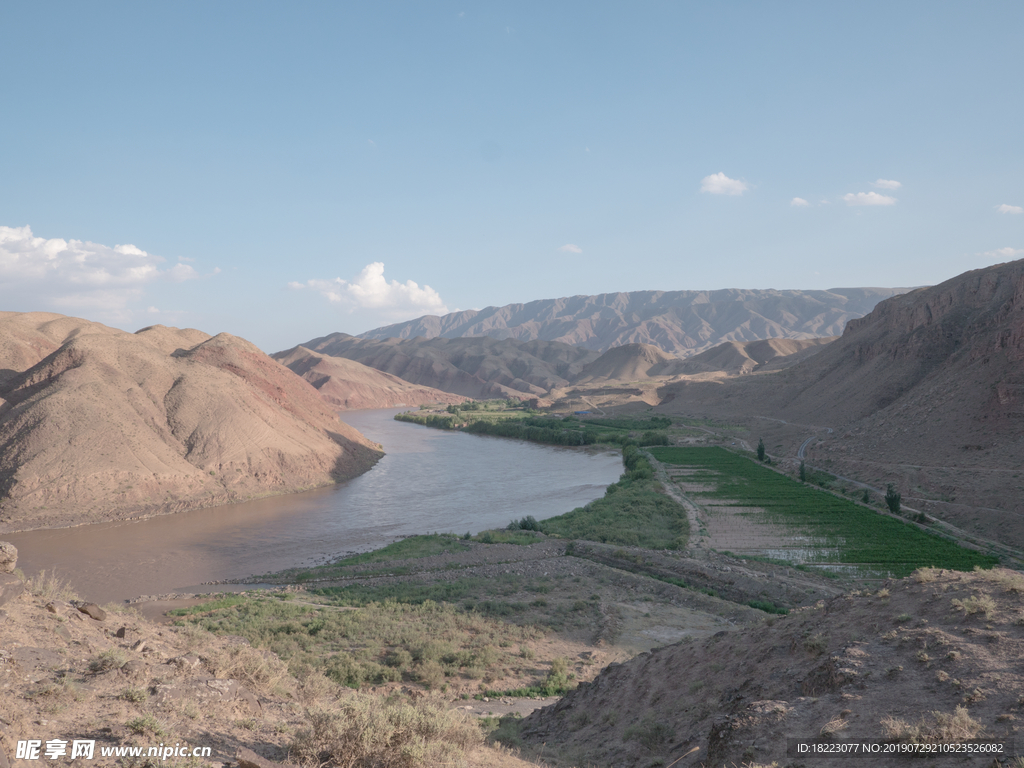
508,418
634,512
859,535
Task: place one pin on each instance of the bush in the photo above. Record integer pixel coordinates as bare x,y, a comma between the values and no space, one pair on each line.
892,499
368,731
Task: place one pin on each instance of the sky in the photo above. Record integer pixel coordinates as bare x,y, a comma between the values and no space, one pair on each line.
282,171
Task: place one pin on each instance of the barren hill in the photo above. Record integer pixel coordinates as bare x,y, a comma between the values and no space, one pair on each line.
680,323
348,385
749,356
475,367
630,362
927,659
113,424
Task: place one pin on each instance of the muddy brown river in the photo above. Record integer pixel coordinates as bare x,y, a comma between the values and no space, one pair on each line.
430,480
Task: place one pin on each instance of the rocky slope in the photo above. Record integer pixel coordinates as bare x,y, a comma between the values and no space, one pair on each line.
930,659
479,368
112,425
348,385
680,323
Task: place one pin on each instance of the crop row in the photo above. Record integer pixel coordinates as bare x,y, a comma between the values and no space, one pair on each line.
851,533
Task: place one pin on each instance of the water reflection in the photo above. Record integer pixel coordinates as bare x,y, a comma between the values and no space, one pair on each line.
430,480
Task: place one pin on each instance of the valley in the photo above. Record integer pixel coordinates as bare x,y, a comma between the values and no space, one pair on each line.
715,601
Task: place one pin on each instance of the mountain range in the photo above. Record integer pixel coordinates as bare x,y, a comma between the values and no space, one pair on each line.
680,323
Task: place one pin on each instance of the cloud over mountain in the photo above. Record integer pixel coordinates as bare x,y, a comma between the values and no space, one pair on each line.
371,290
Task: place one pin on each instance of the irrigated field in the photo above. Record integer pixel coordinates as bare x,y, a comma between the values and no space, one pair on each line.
821,528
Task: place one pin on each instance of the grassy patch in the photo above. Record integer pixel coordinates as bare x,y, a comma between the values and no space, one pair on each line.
635,514
409,548
378,643
852,534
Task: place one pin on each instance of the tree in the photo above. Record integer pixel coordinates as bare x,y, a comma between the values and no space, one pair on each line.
866,498
803,473
892,499
760,449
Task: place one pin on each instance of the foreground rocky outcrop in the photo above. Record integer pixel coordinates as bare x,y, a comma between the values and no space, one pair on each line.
680,323
111,424
348,385
931,658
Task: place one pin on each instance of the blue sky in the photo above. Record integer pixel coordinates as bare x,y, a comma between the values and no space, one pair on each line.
245,167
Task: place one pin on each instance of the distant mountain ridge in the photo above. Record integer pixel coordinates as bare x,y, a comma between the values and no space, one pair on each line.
680,323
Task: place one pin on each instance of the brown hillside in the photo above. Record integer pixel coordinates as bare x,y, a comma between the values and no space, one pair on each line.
28,337
932,658
111,425
348,385
630,362
476,367
739,357
680,323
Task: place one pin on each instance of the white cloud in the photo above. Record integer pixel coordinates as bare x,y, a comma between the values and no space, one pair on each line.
370,290
720,184
868,198
65,274
570,248
1007,254
1004,208
799,202
886,184
179,273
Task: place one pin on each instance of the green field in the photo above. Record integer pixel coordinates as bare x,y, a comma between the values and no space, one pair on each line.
853,535
508,418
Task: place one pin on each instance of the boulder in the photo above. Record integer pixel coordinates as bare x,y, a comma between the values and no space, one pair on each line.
206,689
10,587
8,557
93,611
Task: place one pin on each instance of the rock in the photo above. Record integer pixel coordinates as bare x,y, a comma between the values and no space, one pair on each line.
8,557
10,588
93,611
135,669
246,758
63,634
139,646
208,689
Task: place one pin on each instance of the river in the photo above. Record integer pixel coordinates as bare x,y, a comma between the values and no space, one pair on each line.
430,480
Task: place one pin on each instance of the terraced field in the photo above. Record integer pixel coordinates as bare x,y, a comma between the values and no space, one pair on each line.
769,514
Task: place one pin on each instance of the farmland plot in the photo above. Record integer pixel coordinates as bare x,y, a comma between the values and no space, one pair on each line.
752,510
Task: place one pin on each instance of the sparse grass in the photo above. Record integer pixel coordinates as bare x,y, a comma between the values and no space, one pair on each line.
113,658
363,730
816,643
133,693
146,724
982,604
429,643
50,586
943,727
